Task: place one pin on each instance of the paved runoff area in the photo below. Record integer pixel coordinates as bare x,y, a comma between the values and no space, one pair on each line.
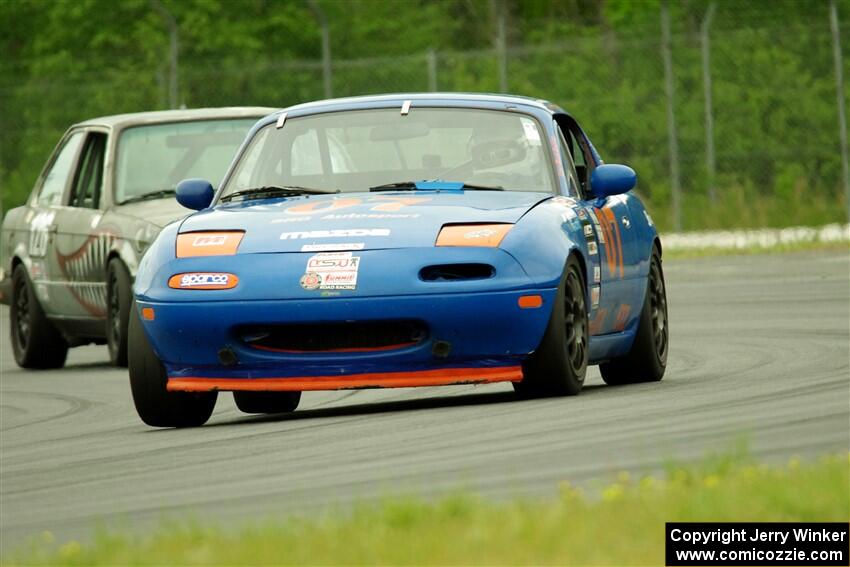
759,354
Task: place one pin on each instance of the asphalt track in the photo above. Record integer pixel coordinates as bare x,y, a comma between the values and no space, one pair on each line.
760,349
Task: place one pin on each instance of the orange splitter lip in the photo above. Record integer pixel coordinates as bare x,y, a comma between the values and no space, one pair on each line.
438,377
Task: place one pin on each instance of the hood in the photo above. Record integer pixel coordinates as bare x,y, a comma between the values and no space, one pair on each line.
159,212
359,221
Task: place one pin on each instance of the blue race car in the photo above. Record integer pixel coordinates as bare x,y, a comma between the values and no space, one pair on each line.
396,241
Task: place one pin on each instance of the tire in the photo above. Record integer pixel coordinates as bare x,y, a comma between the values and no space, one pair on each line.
647,359
266,402
118,301
559,365
154,403
36,343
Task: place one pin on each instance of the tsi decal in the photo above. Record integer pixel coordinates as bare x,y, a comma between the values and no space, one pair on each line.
203,280
331,270
353,232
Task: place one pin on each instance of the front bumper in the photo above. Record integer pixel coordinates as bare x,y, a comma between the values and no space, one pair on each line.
476,330
488,335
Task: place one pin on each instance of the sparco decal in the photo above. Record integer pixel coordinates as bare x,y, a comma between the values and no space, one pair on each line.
203,280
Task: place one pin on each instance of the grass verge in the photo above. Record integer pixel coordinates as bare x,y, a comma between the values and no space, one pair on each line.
623,524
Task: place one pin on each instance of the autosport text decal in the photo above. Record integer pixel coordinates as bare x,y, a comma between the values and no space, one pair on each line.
342,233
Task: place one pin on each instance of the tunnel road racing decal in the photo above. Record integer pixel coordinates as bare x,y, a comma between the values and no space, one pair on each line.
340,233
331,270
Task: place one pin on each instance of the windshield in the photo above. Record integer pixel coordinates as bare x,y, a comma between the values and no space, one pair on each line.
357,150
157,157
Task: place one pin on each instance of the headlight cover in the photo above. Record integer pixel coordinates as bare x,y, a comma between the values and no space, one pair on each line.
486,235
207,243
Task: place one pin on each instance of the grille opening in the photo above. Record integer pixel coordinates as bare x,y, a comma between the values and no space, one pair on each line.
349,336
456,272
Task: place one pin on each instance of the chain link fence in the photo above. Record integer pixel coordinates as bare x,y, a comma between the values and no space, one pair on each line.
754,110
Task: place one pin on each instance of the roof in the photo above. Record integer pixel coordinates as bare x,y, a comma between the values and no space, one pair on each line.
443,96
164,116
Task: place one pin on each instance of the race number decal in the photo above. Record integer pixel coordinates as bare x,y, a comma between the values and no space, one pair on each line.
40,233
611,240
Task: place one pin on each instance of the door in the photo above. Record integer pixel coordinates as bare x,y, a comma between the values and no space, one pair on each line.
45,206
617,243
80,248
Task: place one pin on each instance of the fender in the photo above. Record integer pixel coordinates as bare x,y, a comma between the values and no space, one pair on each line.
161,250
540,241
14,242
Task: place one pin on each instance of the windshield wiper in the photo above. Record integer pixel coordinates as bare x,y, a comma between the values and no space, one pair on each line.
151,195
275,191
433,184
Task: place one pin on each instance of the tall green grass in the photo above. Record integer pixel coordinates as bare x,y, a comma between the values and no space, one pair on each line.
621,523
740,207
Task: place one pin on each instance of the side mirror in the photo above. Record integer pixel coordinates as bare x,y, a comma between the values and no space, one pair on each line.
195,194
612,179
